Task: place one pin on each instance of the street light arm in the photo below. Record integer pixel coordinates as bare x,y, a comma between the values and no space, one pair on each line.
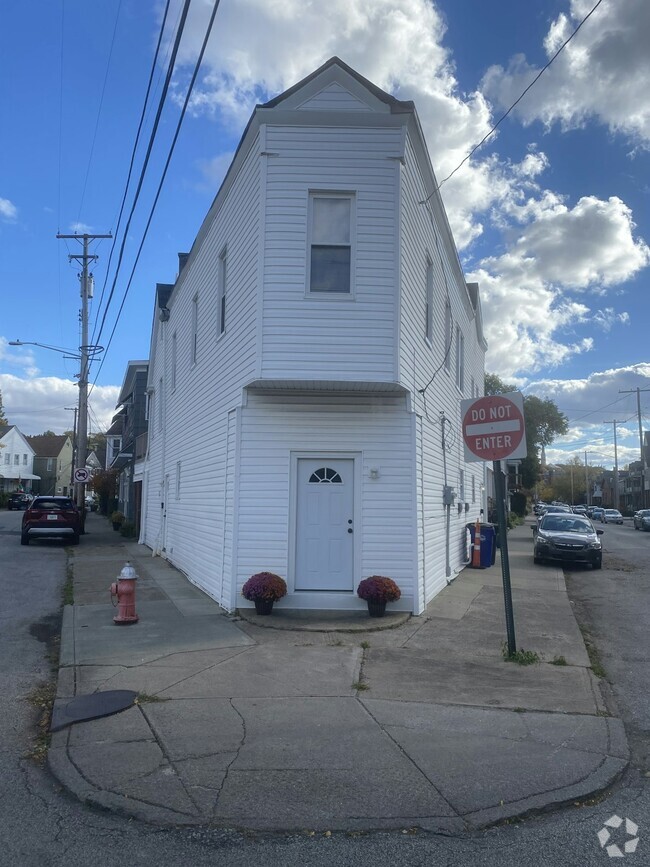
42,345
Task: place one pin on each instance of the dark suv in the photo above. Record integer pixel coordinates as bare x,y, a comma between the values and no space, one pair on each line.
18,500
51,518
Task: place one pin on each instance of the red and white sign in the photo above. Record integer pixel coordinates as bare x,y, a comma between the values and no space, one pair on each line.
493,427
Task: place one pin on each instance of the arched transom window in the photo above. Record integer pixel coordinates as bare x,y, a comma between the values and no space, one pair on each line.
324,475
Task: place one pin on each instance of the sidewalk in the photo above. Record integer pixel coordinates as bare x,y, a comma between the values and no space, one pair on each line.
246,726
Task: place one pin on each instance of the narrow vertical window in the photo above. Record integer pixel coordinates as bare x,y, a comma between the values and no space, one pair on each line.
460,359
221,296
428,327
448,336
173,372
330,243
195,329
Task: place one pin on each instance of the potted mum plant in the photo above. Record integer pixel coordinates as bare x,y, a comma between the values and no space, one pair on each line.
377,591
117,519
264,588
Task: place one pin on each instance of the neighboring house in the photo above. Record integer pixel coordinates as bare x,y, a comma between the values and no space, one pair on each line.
131,420
53,463
308,364
16,460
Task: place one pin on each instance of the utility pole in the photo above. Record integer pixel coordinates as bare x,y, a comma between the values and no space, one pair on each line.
587,481
86,351
617,502
75,410
638,410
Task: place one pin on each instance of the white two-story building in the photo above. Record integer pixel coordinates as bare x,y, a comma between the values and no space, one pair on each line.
307,365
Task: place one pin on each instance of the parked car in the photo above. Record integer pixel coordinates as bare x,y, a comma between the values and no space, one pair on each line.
51,518
596,513
611,516
554,510
642,519
580,510
91,503
567,538
18,500
538,508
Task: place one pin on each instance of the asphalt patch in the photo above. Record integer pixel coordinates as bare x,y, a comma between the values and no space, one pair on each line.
91,706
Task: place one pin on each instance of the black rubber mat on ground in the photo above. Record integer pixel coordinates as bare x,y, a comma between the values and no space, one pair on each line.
92,706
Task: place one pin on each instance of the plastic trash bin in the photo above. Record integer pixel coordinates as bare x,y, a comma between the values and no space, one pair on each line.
487,542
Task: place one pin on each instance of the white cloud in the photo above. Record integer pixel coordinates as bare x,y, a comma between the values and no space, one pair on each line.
8,211
38,404
80,228
602,74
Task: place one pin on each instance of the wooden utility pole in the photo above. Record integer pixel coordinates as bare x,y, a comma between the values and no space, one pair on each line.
638,410
86,351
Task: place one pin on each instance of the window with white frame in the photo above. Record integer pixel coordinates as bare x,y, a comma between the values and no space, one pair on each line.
331,230
460,359
428,310
174,357
448,335
24,460
194,346
50,464
7,458
16,460
221,294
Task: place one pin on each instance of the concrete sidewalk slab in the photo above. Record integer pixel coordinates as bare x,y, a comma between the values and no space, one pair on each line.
330,722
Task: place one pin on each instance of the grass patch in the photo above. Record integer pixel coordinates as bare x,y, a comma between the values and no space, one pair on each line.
592,653
68,587
42,698
559,660
145,698
365,645
521,657
360,685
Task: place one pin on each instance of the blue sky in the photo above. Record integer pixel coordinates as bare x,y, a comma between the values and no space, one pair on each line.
551,216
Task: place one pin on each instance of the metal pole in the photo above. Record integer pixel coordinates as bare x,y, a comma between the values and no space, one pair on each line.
638,410
617,503
505,562
587,481
75,409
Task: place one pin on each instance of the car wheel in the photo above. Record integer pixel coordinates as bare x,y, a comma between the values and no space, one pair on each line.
24,539
75,540
597,564
537,560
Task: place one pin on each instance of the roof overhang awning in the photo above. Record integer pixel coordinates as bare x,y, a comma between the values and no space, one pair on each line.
17,475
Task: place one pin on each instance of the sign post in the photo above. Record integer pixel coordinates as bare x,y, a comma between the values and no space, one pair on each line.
494,430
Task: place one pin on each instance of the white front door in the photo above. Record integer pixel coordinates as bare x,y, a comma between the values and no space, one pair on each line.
325,524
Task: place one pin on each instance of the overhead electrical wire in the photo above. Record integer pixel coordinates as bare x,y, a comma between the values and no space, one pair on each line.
163,176
514,104
143,169
145,103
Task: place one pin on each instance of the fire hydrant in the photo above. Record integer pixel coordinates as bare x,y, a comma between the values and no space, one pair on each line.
124,589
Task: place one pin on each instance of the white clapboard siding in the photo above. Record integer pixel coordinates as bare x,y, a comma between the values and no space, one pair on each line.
334,97
380,431
348,338
196,431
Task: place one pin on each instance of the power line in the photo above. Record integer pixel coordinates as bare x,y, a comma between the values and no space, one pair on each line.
143,170
162,179
514,104
154,65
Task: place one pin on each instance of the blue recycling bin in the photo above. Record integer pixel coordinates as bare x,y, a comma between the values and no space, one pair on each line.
487,542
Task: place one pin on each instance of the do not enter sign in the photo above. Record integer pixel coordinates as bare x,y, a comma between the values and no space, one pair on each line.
493,427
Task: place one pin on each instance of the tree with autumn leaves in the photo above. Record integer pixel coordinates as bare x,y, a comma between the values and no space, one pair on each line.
544,422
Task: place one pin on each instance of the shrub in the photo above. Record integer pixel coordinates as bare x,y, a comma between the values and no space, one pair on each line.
117,517
264,585
127,529
378,589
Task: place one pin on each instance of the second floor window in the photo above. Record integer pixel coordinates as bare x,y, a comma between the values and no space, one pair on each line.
50,464
221,294
194,347
16,460
428,326
24,460
330,242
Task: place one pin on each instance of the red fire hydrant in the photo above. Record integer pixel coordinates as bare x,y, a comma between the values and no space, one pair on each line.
124,589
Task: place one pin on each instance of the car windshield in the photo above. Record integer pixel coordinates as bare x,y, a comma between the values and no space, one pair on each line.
560,524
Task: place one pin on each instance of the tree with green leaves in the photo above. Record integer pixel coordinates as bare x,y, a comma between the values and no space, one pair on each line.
3,420
544,422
